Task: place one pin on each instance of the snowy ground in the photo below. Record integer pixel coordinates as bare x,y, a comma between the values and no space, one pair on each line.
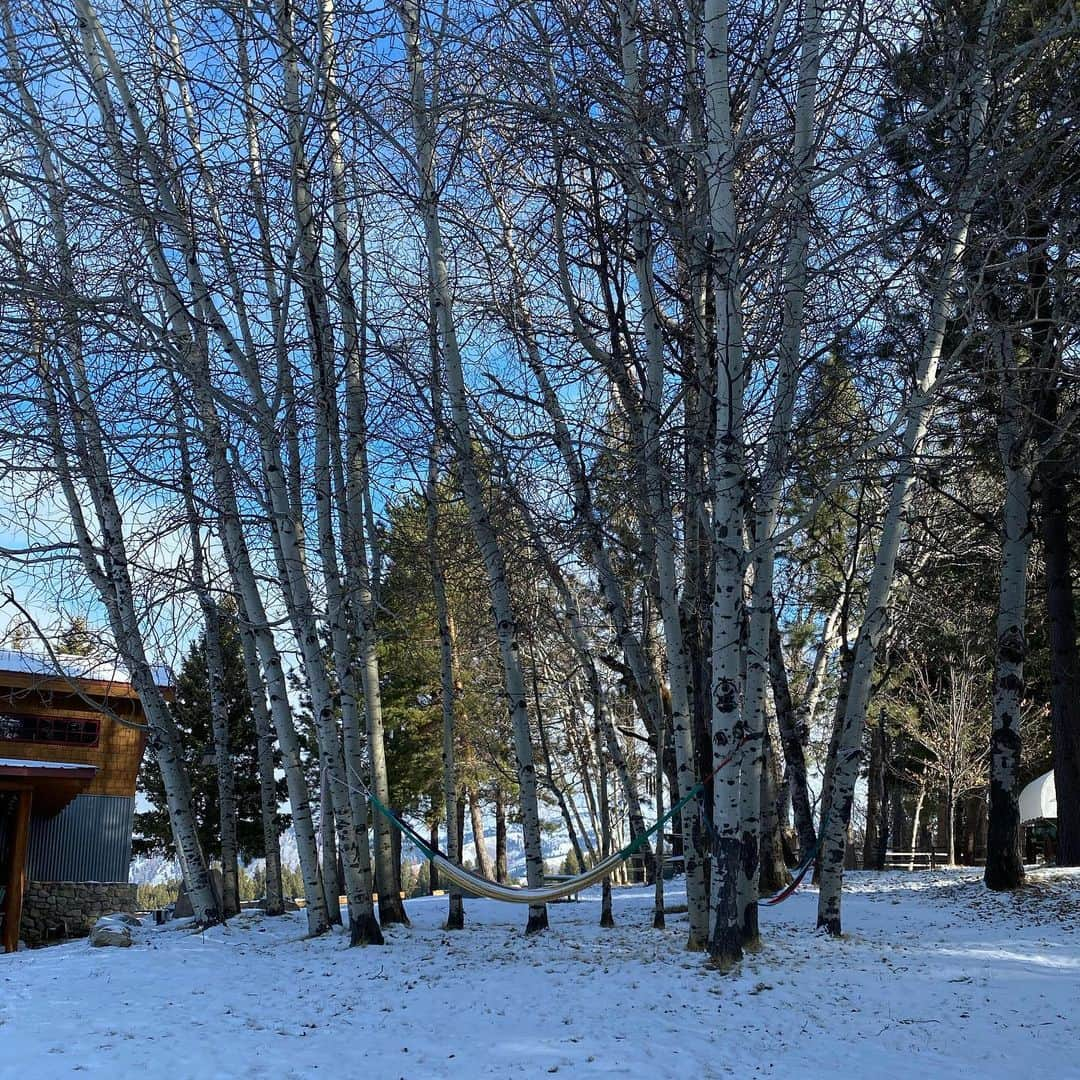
936,978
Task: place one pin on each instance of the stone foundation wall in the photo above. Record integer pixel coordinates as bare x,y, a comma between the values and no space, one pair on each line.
61,909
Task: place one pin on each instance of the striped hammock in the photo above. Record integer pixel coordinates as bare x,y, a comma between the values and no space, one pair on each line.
491,890
481,886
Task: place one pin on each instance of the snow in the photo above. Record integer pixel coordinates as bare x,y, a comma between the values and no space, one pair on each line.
153,869
936,977
21,662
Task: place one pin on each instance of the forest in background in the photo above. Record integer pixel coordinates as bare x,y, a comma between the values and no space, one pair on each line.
520,406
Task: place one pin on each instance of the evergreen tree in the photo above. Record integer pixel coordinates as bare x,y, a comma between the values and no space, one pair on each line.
409,656
191,712
19,636
75,639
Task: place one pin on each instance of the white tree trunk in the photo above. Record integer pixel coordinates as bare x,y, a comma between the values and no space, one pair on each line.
455,916
192,333
215,665
268,799
331,882
110,572
486,539
918,411
354,495
771,486
916,819
729,495
1004,862
657,497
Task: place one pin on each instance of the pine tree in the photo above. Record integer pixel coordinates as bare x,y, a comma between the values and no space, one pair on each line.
191,711
409,657
75,639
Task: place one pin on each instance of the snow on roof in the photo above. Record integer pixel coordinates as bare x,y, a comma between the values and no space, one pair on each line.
20,763
1039,799
72,667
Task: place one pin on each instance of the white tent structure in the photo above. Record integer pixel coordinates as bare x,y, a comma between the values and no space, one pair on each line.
1039,799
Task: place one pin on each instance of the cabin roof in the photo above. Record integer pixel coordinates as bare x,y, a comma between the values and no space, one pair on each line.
21,668
53,783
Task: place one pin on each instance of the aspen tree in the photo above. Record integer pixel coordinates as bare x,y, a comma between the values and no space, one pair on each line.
486,538
917,412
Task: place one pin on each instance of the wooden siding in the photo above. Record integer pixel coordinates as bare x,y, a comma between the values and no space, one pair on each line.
119,749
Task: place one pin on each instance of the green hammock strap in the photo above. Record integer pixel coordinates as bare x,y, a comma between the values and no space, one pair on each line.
640,840
402,827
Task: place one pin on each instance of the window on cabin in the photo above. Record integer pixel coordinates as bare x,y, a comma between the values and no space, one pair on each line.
68,731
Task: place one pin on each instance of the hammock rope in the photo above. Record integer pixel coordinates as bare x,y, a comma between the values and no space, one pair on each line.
798,873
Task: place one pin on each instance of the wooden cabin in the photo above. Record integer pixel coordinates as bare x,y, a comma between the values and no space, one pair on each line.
71,742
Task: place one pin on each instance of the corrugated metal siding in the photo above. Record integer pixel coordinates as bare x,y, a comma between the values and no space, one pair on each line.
89,840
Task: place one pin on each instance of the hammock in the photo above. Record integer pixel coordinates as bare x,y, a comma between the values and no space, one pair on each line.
491,890
481,886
